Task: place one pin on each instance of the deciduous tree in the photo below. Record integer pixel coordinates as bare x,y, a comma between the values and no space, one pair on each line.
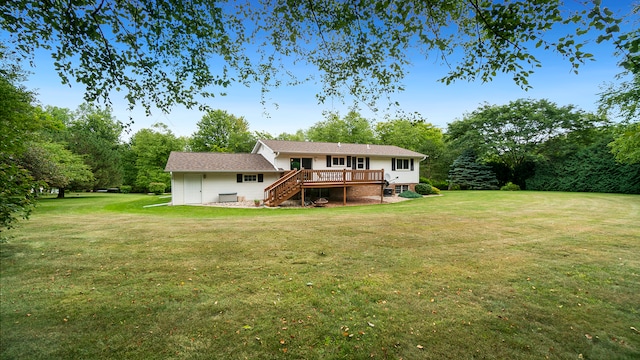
626,144
353,128
219,131
299,135
162,53
512,134
18,122
150,150
54,165
416,135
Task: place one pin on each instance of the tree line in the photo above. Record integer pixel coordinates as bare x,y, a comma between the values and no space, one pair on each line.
162,59
535,144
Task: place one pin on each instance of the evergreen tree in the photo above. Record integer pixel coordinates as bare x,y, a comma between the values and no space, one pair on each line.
95,134
468,174
592,168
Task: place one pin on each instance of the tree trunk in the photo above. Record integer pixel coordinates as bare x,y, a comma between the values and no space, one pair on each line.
60,193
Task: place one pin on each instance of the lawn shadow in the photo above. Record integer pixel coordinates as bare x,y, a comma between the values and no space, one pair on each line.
9,250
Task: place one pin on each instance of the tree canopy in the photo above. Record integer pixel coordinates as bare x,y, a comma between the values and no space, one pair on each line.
19,120
95,133
352,128
513,133
163,53
419,135
149,151
626,146
56,166
219,131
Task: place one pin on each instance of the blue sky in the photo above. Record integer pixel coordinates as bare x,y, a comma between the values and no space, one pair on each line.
298,108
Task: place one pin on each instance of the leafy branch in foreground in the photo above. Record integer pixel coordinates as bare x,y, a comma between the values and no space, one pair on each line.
18,121
163,53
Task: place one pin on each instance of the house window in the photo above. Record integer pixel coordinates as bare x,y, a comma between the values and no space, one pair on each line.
338,161
360,163
403,164
249,178
401,188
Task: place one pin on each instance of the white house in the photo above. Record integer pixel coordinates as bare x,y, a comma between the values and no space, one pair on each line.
279,170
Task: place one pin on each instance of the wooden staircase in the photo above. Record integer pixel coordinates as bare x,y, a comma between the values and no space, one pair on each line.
283,189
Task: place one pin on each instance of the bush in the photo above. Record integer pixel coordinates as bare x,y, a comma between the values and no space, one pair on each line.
157,188
426,189
440,184
423,188
125,189
510,187
424,180
409,194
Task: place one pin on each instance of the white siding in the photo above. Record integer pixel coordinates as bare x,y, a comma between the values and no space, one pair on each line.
403,176
375,163
268,154
177,189
214,184
224,183
283,161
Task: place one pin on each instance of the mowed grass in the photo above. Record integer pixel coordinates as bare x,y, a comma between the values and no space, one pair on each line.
482,275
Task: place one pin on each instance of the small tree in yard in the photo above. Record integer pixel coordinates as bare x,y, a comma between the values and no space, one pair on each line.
468,174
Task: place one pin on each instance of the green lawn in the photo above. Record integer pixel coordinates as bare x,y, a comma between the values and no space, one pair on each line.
482,275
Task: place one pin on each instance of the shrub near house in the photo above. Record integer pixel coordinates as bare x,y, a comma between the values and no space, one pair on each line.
426,189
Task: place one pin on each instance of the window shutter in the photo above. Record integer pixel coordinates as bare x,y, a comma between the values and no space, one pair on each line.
328,160
260,177
239,178
349,161
393,164
411,164
366,163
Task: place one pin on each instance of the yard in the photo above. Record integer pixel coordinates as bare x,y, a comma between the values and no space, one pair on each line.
482,275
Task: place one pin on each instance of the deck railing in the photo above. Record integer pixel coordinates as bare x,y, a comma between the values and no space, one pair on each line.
342,176
285,187
293,181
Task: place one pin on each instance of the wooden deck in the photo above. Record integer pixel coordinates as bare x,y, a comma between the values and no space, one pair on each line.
295,181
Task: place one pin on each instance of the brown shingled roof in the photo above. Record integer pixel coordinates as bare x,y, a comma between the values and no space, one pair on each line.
216,162
324,148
